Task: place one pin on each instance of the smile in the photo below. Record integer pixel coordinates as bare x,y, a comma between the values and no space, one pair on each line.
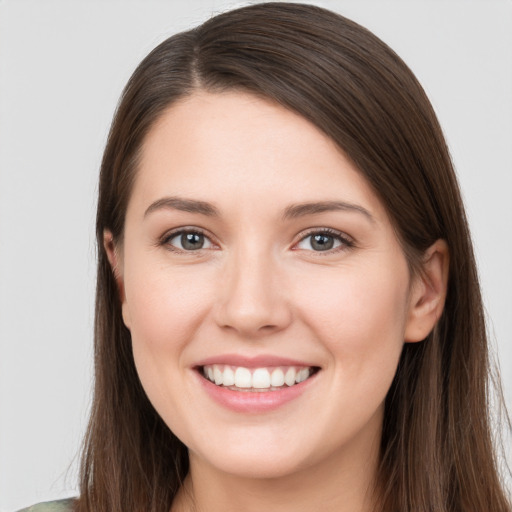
239,378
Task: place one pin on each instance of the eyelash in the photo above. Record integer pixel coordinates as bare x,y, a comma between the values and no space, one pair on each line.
345,241
166,239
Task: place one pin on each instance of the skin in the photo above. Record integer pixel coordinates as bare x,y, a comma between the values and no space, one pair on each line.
258,286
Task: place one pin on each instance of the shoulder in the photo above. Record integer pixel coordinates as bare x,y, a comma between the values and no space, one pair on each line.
52,506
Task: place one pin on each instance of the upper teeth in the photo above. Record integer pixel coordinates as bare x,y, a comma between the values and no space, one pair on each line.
256,378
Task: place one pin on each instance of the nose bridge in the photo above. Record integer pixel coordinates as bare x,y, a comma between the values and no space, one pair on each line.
253,302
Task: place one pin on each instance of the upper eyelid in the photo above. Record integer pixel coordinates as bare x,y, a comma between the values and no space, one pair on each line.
186,229
346,242
167,236
173,233
328,231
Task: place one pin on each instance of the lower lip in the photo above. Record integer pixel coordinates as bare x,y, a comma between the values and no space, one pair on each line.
254,401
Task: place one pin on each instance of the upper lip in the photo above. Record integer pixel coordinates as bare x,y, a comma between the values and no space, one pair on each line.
259,361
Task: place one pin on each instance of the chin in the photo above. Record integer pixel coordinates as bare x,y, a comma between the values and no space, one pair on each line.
270,456
250,466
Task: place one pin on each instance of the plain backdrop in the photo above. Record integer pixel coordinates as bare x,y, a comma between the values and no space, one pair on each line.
63,64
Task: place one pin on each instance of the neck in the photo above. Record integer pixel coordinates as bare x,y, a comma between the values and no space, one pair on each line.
340,483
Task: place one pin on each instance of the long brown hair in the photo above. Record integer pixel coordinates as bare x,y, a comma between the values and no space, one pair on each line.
436,451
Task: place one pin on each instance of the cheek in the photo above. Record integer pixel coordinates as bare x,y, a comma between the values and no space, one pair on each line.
165,306
165,309
359,314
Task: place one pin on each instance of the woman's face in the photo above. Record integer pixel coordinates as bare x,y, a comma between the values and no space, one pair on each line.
255,255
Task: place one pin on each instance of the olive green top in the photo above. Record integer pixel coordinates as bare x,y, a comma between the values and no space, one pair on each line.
52,506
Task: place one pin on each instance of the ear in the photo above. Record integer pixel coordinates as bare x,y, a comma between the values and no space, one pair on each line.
111,248
428,293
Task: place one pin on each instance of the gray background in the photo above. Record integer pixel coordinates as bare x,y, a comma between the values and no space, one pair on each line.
63,64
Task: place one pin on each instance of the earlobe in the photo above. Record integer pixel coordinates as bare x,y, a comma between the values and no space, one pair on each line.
113,256
428,293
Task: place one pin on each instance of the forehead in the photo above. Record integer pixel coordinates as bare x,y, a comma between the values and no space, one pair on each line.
234,147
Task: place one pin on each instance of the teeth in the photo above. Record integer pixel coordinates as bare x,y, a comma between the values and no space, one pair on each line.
228,376
289,377
261,378
277,379
217,375
302,375
257,379
243,378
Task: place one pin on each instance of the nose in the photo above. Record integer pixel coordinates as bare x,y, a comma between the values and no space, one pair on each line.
253,300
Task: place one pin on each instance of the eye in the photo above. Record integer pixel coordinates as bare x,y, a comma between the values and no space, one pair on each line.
188,240
324,240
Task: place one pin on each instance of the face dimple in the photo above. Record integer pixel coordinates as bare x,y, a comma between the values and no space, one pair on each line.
298,261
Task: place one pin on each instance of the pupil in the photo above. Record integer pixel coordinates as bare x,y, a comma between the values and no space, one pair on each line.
322,242
192,241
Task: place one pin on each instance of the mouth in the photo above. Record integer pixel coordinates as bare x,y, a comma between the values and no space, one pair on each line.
263,379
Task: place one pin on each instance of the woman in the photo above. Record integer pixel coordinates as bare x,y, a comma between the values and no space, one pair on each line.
288,311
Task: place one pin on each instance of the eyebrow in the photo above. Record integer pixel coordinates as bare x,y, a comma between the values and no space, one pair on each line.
303,209
291,212
184,205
